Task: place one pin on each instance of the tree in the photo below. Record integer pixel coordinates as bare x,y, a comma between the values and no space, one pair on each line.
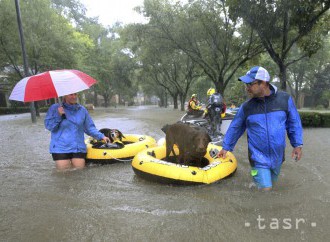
52,43
72,10
49,43
282,24
304,75
219,45
322,85
109,63
170,68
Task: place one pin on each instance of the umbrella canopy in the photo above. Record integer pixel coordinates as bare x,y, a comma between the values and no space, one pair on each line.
51,84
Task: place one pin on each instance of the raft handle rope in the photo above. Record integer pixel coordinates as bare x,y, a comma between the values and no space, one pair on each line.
105,153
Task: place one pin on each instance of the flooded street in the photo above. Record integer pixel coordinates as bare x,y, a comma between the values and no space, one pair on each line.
110,203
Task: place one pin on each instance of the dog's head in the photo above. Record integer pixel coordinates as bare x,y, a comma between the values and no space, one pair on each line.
115,134
106,132
112,134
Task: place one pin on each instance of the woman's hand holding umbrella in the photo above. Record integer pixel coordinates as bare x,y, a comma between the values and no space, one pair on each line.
61,111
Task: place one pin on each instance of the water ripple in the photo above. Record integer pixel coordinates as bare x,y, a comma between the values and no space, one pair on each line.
156,212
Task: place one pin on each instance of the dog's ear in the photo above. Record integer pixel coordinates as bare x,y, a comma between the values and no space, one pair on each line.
121,136
165,128
106,132
111,139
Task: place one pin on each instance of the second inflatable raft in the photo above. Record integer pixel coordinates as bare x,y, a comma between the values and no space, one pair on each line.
149,165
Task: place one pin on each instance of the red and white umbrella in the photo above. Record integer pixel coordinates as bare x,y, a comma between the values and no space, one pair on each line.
51,84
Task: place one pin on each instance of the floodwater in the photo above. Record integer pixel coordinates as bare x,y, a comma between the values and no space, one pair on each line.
110,203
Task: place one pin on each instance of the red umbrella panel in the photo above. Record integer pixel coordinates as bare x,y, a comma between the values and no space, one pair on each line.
51,84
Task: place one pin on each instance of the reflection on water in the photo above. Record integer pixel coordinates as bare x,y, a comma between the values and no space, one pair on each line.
110,203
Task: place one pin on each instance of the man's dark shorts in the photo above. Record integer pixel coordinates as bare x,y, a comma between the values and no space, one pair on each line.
68,156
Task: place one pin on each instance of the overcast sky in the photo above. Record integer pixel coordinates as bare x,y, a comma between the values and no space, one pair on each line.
111,11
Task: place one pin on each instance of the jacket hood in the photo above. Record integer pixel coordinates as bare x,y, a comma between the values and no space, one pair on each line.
273,88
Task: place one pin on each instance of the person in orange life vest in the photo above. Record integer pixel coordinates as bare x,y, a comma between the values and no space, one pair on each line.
193,106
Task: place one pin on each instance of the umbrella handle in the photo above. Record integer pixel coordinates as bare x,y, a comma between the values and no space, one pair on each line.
61,105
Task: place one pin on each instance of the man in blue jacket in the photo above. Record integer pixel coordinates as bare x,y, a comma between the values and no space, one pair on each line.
266,117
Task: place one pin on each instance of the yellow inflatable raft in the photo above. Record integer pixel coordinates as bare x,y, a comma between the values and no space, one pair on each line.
149,165
133,144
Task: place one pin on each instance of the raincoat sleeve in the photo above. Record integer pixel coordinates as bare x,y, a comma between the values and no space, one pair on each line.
90,129
235,131
293,125
53,118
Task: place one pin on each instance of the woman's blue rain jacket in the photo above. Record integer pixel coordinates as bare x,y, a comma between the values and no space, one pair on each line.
67,134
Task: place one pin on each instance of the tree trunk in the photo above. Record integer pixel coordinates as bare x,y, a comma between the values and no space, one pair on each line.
166,101
282,76
219,87
36,105
95,102
106,101
301,74
182,101
175,101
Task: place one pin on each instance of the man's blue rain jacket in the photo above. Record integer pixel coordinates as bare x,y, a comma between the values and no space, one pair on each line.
267,120
67,134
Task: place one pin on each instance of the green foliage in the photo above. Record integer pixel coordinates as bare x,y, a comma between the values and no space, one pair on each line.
200,87
325,120
183,45
110,65
171,69
321,87
294,22
17,110
310,119
4,110
315,119
235,94
9,41
50,39
204,31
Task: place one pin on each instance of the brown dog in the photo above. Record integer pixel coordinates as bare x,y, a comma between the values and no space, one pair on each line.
115,137
191,141
113,134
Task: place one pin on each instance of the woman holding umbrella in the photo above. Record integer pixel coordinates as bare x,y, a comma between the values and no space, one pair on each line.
68,123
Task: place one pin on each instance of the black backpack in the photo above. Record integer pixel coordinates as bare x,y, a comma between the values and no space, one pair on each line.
216,100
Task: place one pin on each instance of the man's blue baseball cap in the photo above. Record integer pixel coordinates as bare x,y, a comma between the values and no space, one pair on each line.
255,73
